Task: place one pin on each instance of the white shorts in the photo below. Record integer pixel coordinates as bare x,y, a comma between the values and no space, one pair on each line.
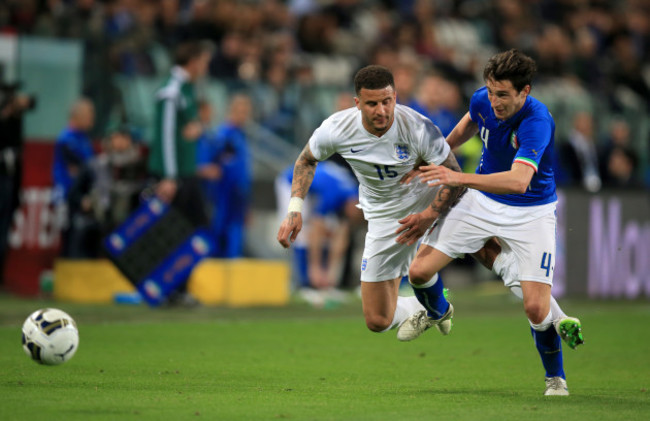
528,232
383,258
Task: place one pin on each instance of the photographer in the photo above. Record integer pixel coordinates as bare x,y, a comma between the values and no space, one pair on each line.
12,107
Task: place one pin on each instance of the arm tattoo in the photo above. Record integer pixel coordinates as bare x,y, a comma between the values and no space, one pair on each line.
303,173
447,196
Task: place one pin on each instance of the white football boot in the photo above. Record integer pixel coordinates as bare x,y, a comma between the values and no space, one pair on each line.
556,386
419,322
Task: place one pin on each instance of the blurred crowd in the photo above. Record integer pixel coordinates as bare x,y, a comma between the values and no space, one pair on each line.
280,50
593,58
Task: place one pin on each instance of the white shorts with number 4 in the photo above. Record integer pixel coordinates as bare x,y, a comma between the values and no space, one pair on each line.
528,232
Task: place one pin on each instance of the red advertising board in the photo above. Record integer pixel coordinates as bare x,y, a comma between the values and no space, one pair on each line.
35,233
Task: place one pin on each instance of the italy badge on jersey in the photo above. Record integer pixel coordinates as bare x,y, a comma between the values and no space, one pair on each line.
513,140
402,152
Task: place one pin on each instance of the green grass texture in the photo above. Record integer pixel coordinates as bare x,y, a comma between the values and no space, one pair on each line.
302,363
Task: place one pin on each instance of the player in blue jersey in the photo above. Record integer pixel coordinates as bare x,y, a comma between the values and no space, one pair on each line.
511,197
224,164
330,209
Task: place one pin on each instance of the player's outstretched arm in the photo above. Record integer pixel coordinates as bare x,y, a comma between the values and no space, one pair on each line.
514,181
303,175
414,226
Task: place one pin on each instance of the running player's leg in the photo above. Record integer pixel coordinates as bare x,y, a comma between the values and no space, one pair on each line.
424,276
429,290
384,263
504,265
537,298
383,308
535,266
461,231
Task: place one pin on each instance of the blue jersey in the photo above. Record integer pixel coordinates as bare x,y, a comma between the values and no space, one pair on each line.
227,147
332,186
527,138
72,147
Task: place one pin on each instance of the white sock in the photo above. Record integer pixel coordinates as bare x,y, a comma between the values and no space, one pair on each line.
556,310
544,325
406,307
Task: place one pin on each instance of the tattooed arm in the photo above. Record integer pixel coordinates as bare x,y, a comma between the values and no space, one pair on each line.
414,226
447,195
303,175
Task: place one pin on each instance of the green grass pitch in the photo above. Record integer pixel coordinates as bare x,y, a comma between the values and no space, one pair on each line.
300,363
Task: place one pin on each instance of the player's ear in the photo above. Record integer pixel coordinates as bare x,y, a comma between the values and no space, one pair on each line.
356,102
526,90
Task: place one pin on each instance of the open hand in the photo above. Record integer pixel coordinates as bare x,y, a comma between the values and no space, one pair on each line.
291,226
436,175
413,227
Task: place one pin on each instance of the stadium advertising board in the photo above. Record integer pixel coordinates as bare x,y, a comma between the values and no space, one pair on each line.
604,241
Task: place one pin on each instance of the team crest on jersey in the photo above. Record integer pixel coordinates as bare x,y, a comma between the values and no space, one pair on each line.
402,152
513,140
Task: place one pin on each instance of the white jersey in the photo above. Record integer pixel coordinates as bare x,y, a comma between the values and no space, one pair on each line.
380,162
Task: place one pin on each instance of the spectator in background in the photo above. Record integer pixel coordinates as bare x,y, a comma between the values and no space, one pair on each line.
278,101
73,152
406,81
120,173
619,162
172,156
224,163
578,155
439,100
330,210
621,170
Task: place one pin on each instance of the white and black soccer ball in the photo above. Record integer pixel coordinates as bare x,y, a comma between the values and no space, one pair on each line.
50,336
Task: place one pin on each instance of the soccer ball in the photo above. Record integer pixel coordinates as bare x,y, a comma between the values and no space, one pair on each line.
50,336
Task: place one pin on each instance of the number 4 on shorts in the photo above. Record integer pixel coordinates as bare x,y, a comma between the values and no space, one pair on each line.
546,264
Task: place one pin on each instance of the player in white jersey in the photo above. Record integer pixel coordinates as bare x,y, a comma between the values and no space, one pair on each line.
382,142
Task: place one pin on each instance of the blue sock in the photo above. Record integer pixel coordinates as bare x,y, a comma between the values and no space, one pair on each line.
431,296
549,346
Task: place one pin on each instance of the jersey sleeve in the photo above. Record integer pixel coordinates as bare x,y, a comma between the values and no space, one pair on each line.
435,148
320,142
533,137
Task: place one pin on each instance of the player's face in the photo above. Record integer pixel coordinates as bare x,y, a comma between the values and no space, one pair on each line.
505,99
377,109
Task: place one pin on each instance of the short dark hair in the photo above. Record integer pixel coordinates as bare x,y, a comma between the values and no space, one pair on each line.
187,51
512,65
373,77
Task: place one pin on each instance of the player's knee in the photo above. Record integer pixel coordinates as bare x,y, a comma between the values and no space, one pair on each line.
377,322
535,311
418,275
